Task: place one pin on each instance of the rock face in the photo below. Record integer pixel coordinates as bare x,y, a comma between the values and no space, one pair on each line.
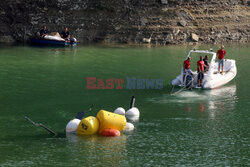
129,21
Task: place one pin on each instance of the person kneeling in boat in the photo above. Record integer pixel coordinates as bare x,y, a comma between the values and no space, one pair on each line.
65,34
221,53
206,64
200,71
186,68
43,32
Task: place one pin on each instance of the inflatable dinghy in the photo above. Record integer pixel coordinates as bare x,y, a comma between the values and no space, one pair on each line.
212,79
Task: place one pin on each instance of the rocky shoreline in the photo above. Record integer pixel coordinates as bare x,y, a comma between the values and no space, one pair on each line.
157,22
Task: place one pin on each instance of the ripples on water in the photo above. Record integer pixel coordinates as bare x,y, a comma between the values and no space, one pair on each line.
175,141
192,128
211,140
227,93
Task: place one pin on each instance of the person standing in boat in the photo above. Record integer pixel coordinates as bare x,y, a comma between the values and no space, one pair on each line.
206,64
43,32
200,70
186,68
65,34
221,53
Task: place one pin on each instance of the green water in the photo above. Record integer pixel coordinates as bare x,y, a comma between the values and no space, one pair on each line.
192,128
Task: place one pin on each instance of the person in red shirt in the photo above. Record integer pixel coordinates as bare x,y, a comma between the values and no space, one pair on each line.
200,70
221,53
186,68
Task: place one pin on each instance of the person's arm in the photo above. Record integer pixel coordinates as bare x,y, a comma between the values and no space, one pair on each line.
41,34
217,54
184,67
61,34
205,64
199,67
44,34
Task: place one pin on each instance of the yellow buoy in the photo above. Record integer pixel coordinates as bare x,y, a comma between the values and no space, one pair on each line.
109,120
88,126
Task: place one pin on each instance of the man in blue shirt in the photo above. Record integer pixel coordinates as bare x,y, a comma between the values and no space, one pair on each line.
65,34
43,32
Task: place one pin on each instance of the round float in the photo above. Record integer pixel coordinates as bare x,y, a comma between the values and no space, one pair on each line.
111,133
88,126
129,127
120,111
132,118
72,125
133,112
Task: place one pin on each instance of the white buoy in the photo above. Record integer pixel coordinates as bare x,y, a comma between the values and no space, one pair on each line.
133,112
72,125
129,127
120,111
132,118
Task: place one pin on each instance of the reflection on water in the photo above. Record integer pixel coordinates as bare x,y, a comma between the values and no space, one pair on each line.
99,149
223,98
201,107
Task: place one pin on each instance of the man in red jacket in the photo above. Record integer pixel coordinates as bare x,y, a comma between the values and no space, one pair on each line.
200,70
186,68
221,53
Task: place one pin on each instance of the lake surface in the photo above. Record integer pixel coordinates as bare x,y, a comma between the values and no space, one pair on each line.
191,128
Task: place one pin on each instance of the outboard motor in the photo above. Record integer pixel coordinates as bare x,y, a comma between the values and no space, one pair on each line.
189,82
72,40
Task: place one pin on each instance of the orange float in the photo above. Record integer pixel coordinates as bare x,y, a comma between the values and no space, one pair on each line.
111,133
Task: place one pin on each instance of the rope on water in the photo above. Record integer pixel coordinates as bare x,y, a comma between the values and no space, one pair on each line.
184,87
